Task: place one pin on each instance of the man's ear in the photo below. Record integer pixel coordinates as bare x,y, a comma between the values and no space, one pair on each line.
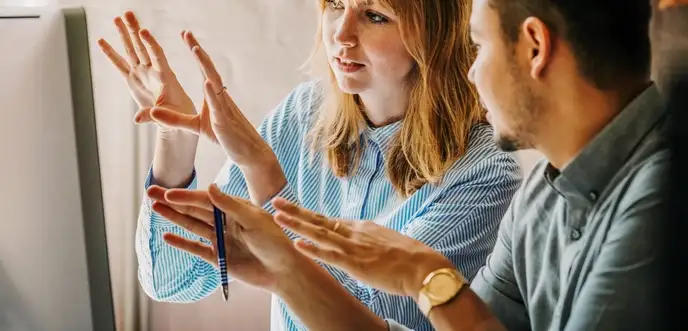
537,43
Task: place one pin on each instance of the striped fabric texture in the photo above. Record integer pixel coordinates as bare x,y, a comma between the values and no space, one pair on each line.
459,216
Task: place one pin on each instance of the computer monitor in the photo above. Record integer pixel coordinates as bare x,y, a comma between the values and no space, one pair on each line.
54,272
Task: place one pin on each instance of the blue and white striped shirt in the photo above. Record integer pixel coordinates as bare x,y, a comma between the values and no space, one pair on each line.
459,216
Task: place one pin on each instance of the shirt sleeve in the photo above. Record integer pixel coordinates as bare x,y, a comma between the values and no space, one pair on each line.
461,224
626,275
495,283
168,274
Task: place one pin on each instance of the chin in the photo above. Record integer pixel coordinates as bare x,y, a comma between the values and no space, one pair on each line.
509,143
351,85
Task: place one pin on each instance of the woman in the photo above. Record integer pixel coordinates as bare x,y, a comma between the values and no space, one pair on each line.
395,134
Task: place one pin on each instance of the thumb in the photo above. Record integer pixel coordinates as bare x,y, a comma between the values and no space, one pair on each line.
143,116
174,119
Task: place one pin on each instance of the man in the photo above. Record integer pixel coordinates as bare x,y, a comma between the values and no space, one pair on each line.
579,248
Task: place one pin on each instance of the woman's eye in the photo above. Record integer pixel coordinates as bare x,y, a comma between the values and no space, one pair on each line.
376,18
335,4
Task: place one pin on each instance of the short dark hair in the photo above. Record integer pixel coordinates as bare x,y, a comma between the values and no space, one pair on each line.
609,38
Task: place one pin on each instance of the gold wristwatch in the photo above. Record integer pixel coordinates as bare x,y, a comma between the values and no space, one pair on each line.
439,287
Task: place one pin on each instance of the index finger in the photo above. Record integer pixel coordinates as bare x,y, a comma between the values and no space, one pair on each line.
157,55
315,233
242,212
195,198
190,39
308,216
208,68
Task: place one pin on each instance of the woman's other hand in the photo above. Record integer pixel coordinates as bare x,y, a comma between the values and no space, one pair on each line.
258,251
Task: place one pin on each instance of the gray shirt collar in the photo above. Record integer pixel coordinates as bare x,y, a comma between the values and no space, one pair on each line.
584,179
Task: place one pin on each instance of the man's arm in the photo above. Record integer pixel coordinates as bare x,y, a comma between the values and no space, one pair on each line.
493,302
321,303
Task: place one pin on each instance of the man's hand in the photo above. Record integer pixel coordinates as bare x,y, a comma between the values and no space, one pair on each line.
378,256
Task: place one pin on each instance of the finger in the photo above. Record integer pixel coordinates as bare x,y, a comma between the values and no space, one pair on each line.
308,216
195,198
189,223
143,116
197,248
187,122
178,200
134,28
317,234
244,214
189,39
325,255
216,107
301,214
126,40
117,60
156,193
194,212
157,55
208,68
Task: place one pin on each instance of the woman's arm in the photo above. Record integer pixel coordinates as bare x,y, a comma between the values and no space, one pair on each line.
168,274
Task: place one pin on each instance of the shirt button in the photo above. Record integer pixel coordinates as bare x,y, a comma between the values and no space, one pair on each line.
593,195
575,234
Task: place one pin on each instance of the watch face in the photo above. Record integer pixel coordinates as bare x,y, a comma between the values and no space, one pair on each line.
442,287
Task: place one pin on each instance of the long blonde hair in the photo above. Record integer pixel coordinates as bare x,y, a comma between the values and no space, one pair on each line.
443,105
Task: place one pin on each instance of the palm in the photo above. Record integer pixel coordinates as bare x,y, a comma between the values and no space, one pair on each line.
244,266
150,80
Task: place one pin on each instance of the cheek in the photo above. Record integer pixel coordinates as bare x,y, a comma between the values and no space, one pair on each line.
481,78
388,56
327,34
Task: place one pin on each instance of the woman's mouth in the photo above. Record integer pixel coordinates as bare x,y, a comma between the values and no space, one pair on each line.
348,66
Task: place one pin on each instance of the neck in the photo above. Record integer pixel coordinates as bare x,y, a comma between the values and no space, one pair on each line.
578,115
384,107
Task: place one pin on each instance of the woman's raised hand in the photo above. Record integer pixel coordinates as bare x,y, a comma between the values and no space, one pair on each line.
151,81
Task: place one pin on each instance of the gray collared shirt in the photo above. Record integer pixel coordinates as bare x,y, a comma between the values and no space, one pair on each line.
578,249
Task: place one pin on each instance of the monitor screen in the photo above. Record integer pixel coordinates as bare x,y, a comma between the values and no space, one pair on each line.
54,272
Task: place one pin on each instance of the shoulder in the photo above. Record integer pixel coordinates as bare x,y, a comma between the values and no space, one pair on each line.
484,160
301,103
644,185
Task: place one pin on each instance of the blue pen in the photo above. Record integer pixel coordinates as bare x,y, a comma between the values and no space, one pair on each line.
221,254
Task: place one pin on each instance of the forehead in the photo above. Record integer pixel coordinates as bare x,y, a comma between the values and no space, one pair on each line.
481,16
362,3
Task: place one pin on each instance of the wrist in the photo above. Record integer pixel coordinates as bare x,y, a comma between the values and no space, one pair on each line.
289,283
174,156
265,179
420,268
